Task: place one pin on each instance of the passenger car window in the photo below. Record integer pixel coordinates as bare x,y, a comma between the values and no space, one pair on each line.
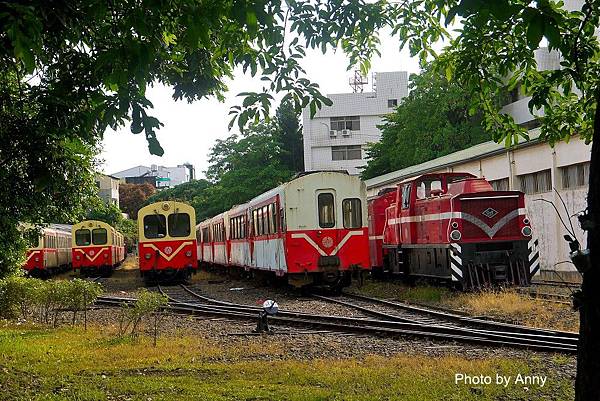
352,213
99,236
155,226
326,207
179,225
83,237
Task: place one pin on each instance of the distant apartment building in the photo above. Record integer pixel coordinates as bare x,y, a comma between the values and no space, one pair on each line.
108,188
337,136
158,176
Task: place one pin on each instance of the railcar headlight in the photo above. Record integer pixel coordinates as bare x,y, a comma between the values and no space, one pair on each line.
454,224
455,235
526,221
526,231
147,256
188,254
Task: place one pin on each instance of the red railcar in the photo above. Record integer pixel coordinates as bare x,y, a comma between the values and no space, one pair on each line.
453,226
312,229
50,253
97,248
167,242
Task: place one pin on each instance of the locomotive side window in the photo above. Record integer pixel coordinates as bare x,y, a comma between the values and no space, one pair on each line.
83,237
352,213
155,226
179,225
99,236
424,187
406,196
326,210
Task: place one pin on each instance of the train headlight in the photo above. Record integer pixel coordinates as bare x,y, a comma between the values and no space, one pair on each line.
526,231
454,224
455,235
188,254
147,256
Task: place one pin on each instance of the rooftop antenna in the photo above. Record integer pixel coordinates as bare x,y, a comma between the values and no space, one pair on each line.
357,81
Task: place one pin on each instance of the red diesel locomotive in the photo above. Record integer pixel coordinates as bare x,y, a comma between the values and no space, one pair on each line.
453,226
97,248
167,241
312,230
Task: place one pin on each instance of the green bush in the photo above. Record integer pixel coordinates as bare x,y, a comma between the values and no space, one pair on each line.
44,300
148,303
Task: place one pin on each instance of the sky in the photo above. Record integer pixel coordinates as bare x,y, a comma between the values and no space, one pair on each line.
190,130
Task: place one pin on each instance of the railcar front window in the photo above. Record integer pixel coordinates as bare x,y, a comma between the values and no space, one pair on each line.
83,237
155,226
326,210
99,236
352,213
179,225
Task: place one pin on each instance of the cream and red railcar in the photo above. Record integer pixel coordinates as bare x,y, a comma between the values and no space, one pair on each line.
167,241
453,226
50,252
97,248
312,229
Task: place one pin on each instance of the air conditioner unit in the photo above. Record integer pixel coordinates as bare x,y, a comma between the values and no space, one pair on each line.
346,132
332,134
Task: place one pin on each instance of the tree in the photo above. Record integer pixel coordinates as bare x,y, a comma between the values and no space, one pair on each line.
193,193
433,121
290,136
133,196
106,212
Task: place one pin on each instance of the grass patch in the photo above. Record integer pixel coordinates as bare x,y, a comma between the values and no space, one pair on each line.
394,290
68,363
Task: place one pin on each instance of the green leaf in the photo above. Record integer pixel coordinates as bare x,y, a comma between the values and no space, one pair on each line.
535,31
154,146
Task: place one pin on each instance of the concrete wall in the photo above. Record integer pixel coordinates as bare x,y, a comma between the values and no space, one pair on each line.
108,188
544,219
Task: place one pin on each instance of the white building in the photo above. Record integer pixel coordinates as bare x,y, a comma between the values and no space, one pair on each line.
108,188
336,137
159,176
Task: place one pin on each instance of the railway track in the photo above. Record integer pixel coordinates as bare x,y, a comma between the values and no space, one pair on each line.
384,324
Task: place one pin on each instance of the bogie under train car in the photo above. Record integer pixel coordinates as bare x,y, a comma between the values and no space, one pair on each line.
167,241
97,248
312,230
50,253
453,226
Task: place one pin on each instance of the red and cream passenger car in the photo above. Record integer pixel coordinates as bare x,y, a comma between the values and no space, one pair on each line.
167,241
97,248
50,252
312,229
453,226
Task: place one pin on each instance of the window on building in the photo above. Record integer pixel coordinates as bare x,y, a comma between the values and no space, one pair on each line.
326,207
99,236
352,213
575,175
339,123
179,225
500,185
351,152
392,102
82,237
155,226
535,183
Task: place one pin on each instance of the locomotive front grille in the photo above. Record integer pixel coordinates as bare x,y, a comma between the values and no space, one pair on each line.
489,210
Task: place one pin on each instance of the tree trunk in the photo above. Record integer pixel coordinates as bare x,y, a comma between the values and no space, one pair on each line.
587,385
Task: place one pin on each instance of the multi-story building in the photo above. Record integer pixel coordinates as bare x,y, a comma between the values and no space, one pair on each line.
159,176
336,137
108,188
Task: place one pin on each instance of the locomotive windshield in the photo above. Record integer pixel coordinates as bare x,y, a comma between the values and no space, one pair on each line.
352,213
155,226
99,236
83,237
179,225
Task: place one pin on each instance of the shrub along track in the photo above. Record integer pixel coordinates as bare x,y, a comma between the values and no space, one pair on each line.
417,322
